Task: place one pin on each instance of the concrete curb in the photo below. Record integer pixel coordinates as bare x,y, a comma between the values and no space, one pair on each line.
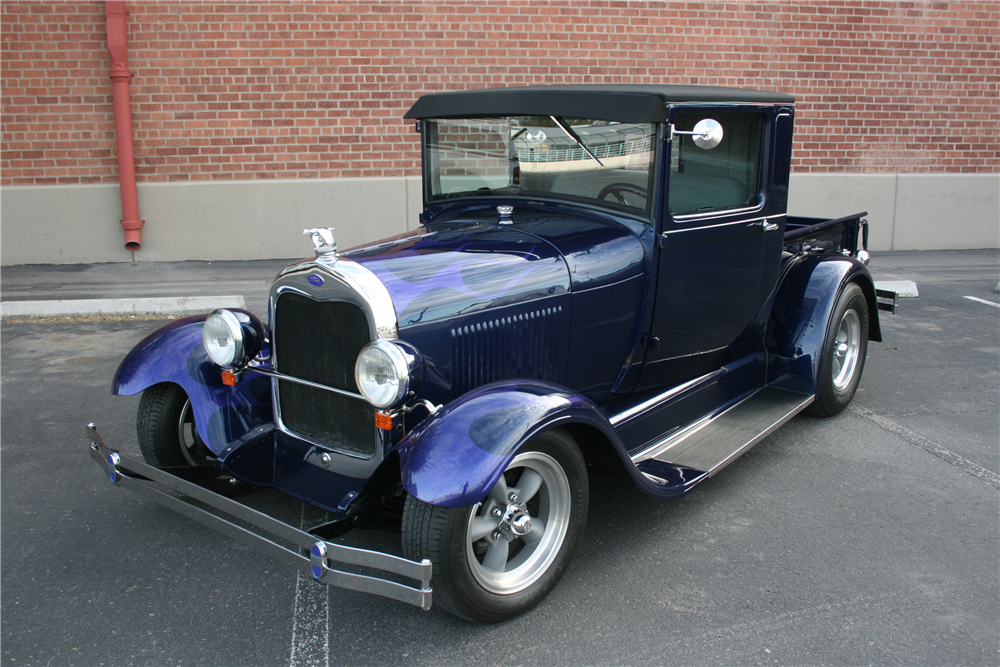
173,305
906,289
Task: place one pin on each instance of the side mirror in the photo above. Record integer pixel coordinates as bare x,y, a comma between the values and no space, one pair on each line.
707,133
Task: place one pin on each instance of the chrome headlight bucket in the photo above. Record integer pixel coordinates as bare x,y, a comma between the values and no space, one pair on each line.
387,372
232,337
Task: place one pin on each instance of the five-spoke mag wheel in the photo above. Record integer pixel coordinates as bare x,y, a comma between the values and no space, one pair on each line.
515,534
500,557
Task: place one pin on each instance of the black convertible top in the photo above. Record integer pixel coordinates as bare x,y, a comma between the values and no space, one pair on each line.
625,103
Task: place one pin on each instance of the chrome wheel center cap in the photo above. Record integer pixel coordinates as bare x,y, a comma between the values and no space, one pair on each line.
516,521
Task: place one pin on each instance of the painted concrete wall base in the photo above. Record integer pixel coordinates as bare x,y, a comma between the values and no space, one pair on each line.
908,211
265,219
202,221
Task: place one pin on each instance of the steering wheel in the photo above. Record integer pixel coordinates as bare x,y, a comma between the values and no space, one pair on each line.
458,191
619,190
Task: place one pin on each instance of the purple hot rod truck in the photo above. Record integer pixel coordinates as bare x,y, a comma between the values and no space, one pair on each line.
601,273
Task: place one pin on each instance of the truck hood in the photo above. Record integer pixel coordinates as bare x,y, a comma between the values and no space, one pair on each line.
470,263
463,268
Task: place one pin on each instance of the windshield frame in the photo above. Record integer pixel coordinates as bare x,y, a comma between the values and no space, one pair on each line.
650,134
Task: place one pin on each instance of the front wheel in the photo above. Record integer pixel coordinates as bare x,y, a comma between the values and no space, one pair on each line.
166,430
502,556
844,353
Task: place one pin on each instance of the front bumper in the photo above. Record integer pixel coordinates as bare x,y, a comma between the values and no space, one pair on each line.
179,495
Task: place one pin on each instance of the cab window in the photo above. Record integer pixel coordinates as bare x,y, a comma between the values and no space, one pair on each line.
576,160
721,178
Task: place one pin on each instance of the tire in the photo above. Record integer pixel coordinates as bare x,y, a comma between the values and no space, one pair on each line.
844,353
483,570
166,431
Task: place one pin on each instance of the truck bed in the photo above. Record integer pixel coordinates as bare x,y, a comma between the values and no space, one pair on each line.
821,235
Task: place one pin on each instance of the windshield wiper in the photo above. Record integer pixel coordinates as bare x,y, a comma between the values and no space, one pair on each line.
572,135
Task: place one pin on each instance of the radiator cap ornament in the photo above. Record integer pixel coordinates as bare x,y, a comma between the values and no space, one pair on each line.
323,242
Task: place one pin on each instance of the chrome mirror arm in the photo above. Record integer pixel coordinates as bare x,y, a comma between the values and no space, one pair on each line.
707,133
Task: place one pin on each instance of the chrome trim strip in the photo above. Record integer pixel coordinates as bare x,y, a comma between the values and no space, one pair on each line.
315,385
724,213
670,393
662,445
745,221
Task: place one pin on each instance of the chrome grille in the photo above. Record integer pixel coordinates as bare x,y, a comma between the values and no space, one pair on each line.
319,341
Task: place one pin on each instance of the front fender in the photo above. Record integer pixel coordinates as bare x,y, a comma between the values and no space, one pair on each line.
174,353
454,457
803,306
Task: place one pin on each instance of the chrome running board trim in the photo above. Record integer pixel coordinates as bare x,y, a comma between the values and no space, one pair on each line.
712,443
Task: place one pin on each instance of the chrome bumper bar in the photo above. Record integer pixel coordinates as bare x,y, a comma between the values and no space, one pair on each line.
155,484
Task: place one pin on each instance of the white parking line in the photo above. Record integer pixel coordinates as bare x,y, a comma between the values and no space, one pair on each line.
928,446
988,303
310,620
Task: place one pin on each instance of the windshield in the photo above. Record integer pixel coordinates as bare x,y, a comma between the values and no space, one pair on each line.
579,160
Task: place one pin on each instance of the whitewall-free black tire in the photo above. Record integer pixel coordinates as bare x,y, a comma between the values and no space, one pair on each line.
502,556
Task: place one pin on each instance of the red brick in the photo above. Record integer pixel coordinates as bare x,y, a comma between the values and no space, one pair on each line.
318,90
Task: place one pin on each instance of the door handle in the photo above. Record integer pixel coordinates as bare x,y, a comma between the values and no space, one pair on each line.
766,226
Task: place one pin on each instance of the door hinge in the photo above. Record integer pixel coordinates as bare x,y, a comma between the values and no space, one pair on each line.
661,240
649,342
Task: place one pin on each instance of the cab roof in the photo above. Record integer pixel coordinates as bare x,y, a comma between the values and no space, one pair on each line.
625,103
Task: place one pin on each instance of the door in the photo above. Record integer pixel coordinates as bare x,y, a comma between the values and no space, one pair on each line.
712,249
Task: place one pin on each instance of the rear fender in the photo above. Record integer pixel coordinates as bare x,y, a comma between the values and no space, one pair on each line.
174,353
801,315
454,457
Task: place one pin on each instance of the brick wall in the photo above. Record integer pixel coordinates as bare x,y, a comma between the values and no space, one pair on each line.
301,90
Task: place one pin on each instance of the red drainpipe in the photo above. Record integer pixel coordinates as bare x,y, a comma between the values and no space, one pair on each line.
120,76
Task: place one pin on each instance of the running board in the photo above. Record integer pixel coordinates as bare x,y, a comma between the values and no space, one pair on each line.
712,444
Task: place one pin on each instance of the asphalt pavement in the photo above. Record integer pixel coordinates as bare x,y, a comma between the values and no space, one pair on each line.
869,538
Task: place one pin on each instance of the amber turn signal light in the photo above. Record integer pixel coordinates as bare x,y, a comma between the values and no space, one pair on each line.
229,378
383,420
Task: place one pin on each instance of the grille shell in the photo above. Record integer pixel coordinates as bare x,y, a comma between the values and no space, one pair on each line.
319,341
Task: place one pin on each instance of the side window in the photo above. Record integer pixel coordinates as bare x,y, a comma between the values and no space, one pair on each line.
720,178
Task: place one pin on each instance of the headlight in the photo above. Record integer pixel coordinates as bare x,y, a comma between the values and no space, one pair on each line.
384,373
232,338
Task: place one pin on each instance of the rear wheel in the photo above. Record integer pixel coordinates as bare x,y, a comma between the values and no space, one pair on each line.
844,355
502,556
166,430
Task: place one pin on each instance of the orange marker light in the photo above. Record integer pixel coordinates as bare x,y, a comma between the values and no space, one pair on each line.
229,378
383,420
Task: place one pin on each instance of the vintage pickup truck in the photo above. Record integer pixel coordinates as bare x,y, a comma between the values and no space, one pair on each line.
601,273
